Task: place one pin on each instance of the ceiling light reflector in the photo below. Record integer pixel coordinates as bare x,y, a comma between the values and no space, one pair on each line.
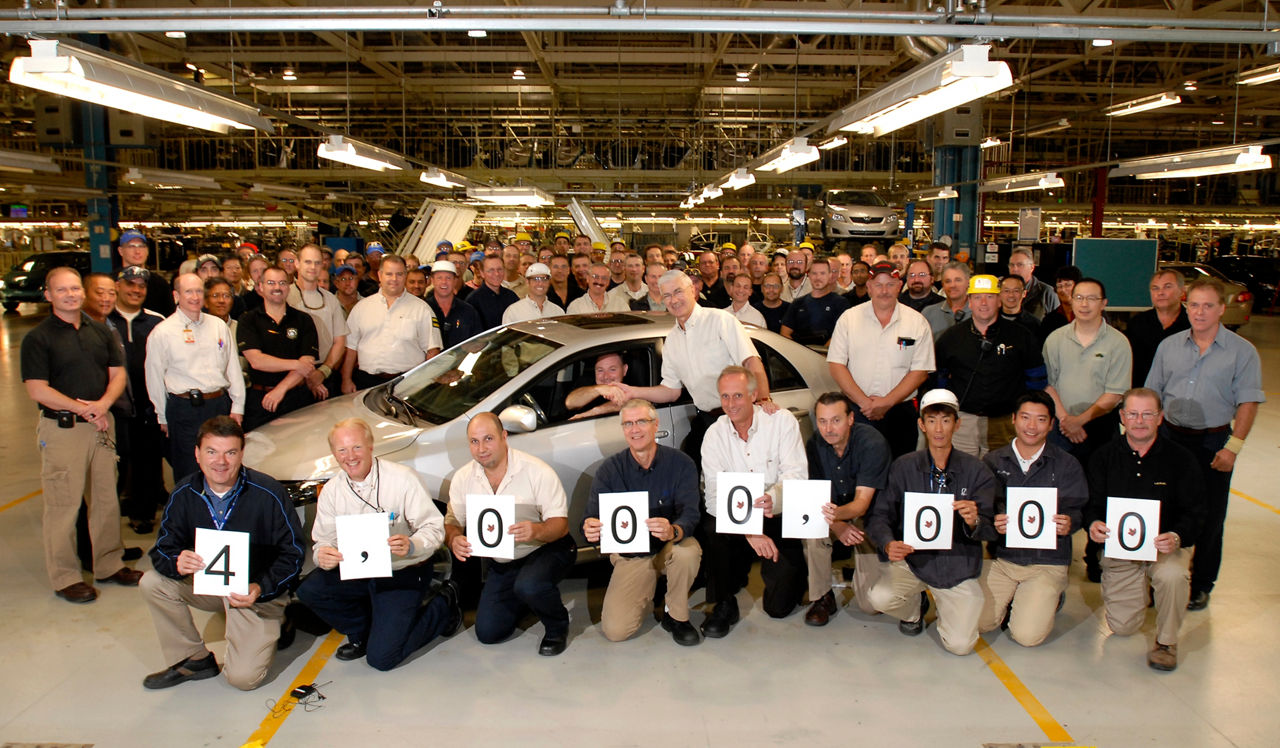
355,153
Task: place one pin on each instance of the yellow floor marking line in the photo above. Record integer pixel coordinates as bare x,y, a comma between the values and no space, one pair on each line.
308,675
1052,730
1244,496
18,501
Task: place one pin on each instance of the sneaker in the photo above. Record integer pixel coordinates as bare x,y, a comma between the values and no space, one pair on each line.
1163,657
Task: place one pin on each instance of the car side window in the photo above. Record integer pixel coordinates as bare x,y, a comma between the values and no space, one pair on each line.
782,375
547,394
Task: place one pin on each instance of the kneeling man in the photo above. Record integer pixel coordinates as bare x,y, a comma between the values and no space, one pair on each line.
222,495
951,575
385,619
670,479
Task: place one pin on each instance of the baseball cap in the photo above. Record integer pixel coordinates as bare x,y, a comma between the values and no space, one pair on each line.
372,247
134,273
444,243
537,268
598,245
729,245
444,266
523,237
132,235
253,247
202,259
344,269
476,256
885,267
940,397
984,284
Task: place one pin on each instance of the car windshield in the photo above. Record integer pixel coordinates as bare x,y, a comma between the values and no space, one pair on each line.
454,381
855,197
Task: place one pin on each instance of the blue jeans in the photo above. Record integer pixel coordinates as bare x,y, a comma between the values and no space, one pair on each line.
385,614
529,583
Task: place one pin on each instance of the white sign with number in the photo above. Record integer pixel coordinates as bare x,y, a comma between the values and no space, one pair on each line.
736,512
927,520
362,541
802,512
226,562
1031,523
622,516
488,518
1134,525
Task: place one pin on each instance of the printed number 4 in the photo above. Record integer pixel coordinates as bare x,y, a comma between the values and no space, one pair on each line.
226,573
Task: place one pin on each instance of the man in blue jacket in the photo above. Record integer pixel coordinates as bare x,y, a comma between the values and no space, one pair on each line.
222,495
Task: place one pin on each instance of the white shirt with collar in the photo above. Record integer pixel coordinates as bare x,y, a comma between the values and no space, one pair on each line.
389,487
694,355
1028,462
536,487
392,340
773,447
525,310
585,305
791,294
879,357
747,315
627,294
185,354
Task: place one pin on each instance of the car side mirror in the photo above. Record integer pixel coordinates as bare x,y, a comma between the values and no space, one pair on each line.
518,419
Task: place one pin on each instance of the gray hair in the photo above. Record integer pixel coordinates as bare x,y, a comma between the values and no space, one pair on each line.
675,276
639,402
957,265
736,370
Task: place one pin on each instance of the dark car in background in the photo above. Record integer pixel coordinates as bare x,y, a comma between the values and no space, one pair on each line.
1260,274
25,281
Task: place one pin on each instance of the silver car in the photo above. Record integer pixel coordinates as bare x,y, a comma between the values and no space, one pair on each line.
523,372
858,214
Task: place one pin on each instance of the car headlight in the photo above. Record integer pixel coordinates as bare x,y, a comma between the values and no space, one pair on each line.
891,220
837,217
19,280
302,492
1,285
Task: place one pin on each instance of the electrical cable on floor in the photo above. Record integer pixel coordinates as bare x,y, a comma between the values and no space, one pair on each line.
306,696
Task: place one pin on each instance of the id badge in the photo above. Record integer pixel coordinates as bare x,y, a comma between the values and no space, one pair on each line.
188,336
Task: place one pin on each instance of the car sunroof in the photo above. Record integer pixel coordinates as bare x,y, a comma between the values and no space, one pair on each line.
601,321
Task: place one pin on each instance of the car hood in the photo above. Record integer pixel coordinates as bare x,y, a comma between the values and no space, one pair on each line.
296,446
875,211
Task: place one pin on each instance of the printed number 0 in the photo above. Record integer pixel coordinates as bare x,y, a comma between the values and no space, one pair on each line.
1142,531
936,527
747,515
226,573
1022,520
497,521
632,525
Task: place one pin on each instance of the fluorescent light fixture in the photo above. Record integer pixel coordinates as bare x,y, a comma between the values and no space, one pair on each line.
1101,42
1043,180
934,193
283,190
517,74
439,179
947,82
27,162
990,142
687,203
170,180
97,77
796,152
176,34
528,196
50,191
1144,104
1258,76
477,33
289,75
711,192
1057,125
739,178
830,143
1189,86
355,153
1226,160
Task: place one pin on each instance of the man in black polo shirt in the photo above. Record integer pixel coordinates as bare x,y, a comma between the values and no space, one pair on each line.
1166,316
1143,465
492,298
988,362
855,458
281,346
457,319
813,316
74,369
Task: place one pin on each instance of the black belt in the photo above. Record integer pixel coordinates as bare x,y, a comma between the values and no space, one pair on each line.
382,376
207,395
57,414
1197,432
262,387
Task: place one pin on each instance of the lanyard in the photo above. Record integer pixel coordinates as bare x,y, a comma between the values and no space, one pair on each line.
377,489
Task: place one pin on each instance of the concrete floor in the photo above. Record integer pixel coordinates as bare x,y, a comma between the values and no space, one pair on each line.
72,674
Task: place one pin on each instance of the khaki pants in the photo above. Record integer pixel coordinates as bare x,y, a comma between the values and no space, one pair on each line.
978,435
867,569
898,594
630,593
1033,591
251,632
1124,593
71,460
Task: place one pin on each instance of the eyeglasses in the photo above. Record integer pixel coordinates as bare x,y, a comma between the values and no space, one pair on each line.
919,275
275,283
1091,298
1139,415
639,422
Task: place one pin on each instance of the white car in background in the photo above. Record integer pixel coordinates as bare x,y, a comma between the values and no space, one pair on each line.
857,214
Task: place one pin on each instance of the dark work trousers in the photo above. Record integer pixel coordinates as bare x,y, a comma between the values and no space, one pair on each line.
364,380
698,425
255,415
1098,432
385,614
727,559
141,448
529,583
185,420
898,427
1217,488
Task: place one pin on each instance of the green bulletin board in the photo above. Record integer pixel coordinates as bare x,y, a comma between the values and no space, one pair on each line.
1124,265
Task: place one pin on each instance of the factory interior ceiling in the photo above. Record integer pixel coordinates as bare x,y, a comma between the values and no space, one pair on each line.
631,105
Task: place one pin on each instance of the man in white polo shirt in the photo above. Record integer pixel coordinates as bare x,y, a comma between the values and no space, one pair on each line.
535,305
389,332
